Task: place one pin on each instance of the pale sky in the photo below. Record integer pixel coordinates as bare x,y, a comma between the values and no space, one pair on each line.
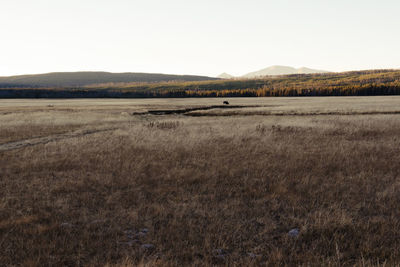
204,37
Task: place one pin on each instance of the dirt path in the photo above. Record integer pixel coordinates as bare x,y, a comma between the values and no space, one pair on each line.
48,139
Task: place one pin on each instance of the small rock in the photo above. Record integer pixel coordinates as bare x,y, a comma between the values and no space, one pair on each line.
252,255
294,232
67,225
221,257
97,221
141,234
129,243
219,251
148,246
129,236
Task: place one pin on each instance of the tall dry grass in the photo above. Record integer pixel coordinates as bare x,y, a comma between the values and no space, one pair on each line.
206,191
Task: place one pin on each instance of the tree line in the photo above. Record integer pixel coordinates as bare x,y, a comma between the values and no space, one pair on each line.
363,83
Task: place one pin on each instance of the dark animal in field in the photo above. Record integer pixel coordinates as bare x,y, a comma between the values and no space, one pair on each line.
226,103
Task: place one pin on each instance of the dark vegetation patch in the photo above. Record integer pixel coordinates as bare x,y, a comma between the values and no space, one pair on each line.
187,110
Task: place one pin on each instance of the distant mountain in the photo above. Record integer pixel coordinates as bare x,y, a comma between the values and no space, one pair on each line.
225,76
72,79
278,70
305,70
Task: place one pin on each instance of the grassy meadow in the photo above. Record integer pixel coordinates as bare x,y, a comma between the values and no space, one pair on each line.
103,182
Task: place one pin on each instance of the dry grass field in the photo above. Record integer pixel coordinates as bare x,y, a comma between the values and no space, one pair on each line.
103,182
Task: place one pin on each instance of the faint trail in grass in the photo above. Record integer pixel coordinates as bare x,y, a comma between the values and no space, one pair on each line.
50,138
262,113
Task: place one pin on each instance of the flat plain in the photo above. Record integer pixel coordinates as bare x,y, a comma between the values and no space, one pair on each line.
114,182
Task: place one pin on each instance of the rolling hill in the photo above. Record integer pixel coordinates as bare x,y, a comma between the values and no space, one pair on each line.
274,71
79,79
281,70
225,76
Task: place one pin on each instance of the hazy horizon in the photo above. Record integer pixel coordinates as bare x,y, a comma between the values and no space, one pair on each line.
197,38
185,74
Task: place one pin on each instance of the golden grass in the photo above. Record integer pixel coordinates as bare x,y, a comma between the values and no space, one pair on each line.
209,190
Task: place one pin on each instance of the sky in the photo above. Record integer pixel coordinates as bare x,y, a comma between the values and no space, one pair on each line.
202,37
